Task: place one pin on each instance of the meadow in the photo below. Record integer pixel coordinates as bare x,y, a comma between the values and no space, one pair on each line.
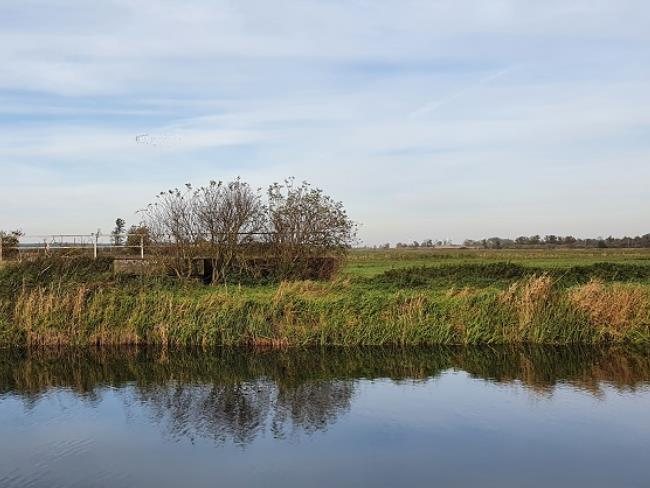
380,297
371,262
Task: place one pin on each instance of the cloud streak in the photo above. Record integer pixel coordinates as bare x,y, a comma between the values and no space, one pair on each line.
433,106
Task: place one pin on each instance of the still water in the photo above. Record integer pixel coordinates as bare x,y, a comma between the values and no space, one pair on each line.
488,417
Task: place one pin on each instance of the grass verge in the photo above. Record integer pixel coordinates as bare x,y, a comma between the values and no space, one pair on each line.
480,303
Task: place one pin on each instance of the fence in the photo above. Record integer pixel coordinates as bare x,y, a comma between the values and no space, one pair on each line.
96,244
93,244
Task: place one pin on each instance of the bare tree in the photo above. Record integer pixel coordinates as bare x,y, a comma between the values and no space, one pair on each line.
231,216
228,224
304,222
172,223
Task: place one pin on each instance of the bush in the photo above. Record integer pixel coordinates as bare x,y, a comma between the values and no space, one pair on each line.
10,241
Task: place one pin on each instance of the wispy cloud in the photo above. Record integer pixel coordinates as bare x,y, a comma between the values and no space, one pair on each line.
434,105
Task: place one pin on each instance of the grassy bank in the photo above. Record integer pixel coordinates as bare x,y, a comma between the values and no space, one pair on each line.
476,302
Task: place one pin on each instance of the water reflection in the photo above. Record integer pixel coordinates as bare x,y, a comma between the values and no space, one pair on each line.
239,411
236,394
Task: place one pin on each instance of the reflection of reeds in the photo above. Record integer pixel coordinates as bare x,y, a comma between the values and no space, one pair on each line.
235,394
532,310
30,372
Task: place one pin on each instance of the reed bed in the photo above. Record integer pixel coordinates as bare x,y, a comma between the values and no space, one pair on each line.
81,302
535,309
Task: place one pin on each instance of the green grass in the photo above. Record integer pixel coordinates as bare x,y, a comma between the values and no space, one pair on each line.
369,263
501,274
456,297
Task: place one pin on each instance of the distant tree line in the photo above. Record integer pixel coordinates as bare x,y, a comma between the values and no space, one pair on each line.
424,243
535,241
554,241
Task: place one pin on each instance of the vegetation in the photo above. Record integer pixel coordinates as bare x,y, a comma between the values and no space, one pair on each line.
118,231
550,241
554,241
138,235
244,236
465,298
371,262
502,273
272,260
9,244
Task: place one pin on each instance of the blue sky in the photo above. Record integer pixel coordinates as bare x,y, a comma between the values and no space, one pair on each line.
429,119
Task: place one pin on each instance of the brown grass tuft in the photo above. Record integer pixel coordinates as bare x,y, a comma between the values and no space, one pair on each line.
309,289
528,297
460,293
617,307
412,307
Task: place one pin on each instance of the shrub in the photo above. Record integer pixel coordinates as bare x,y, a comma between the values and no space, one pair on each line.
9,243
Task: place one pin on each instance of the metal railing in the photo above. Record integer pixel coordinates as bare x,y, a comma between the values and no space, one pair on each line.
95,243
107,244
126,244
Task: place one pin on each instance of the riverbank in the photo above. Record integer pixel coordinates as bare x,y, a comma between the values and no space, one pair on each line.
476,302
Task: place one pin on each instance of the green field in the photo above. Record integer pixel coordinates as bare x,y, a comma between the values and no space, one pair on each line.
371,262
397,297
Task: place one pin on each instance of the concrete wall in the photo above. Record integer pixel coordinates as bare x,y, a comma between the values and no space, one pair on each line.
137,266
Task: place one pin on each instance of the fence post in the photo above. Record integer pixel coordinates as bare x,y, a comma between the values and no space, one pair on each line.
95,247
142,247
1,239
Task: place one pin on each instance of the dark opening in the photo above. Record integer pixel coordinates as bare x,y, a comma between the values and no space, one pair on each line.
207,271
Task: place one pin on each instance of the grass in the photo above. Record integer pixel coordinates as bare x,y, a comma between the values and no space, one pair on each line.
370,262
501,274
459,297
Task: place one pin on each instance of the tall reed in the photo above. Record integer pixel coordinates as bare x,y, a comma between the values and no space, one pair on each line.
532,310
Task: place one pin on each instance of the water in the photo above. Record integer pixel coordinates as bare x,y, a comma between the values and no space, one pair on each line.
486,417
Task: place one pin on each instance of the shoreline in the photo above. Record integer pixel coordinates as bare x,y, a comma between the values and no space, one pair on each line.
464,299
532,310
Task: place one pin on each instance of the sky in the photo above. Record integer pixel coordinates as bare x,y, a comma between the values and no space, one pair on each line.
428,119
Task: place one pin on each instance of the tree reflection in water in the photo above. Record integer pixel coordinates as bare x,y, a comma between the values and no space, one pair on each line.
237,394
239,412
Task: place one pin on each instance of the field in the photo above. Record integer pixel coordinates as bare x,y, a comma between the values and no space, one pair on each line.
371,262
396,297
